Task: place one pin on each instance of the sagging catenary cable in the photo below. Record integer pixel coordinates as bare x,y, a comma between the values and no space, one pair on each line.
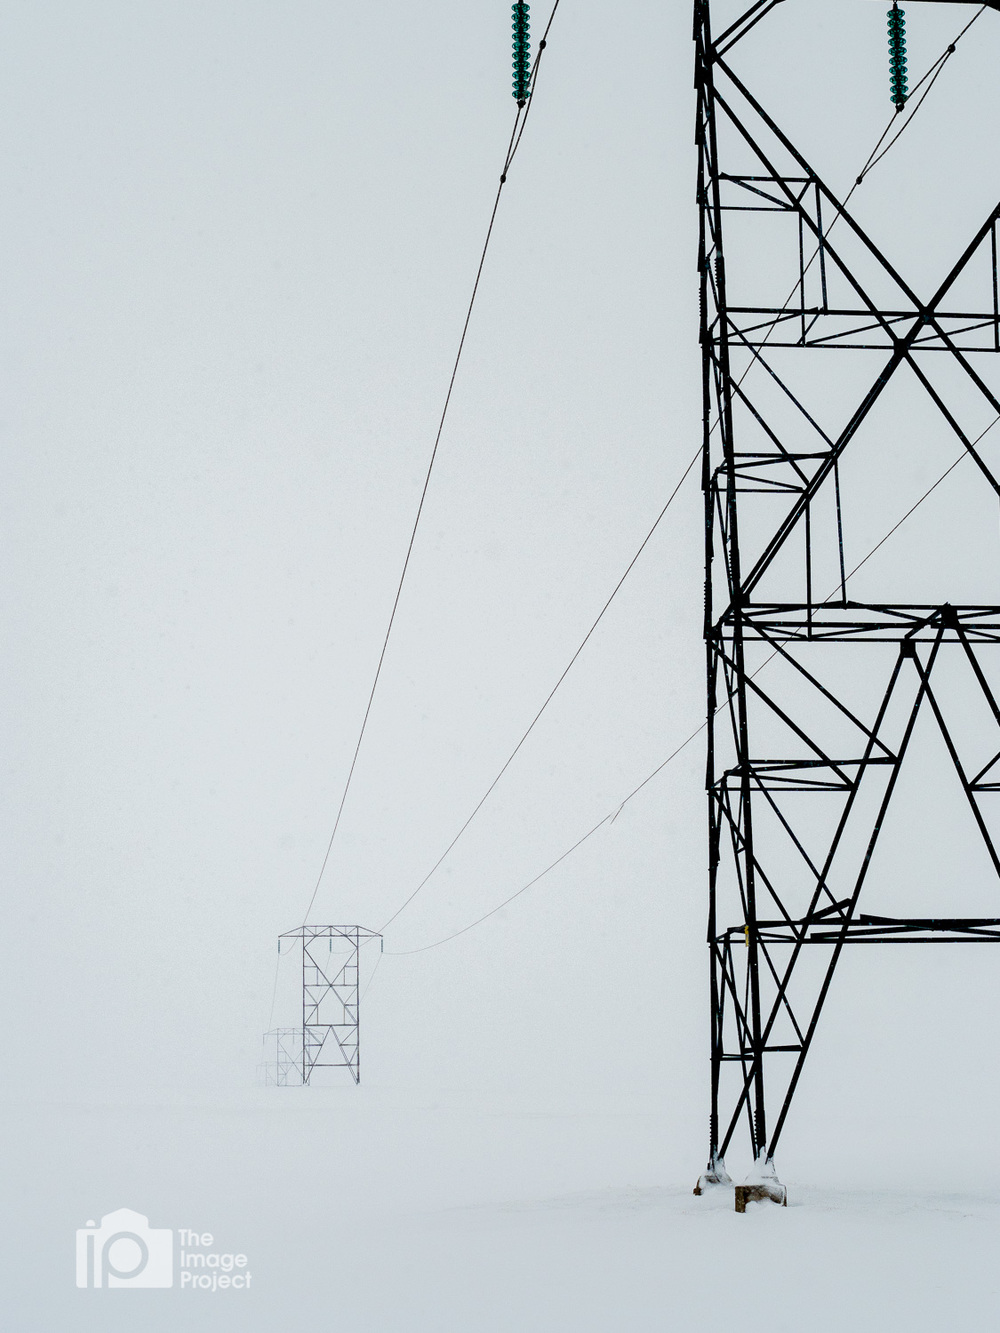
551,695
517,133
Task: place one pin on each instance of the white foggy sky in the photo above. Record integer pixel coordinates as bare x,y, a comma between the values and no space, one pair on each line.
239,248
241,245
238,242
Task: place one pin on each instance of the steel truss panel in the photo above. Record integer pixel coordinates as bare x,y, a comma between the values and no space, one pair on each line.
283,1066
790,748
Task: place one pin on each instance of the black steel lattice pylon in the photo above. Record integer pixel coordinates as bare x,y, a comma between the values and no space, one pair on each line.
786,735
330,1036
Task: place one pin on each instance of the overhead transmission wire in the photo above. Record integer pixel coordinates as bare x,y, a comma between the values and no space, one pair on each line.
551,695
876,155
517,133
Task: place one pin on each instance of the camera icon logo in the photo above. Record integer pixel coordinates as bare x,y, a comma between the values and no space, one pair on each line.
124,1251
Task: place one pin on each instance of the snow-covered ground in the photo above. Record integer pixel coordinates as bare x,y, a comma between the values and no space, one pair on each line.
358,1213
238,245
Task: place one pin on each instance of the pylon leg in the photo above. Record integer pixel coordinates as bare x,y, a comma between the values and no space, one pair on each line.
714,1176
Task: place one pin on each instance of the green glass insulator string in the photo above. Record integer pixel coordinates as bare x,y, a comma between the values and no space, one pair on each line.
522,53
898,85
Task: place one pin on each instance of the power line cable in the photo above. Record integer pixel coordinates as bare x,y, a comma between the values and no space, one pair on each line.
551,695
517,133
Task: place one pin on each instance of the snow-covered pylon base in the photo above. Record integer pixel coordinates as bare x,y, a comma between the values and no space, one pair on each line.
715,1174
761,1185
